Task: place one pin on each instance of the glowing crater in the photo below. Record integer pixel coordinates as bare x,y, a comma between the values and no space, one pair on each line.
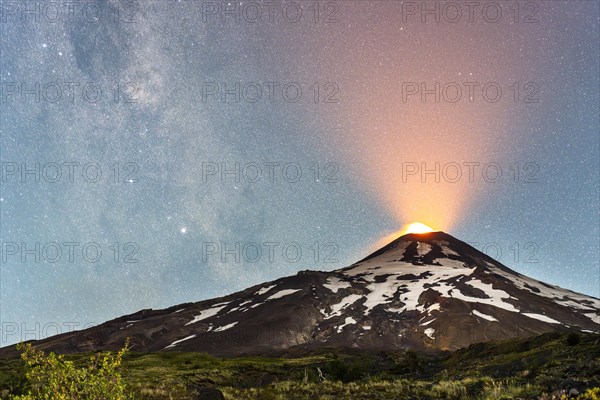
417,227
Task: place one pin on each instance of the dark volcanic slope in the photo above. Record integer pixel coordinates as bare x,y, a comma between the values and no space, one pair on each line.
422,291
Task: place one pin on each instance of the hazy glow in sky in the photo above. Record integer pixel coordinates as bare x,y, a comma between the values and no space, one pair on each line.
171,156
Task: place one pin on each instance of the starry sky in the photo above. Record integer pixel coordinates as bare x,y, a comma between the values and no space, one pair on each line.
162,152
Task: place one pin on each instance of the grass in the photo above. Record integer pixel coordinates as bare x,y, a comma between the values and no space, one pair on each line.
522,368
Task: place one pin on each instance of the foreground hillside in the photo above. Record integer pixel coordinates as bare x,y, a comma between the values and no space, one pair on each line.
540,367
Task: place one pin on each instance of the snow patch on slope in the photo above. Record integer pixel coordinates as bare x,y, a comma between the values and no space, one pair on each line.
374,264
225,327
348,321
484,316
175,343
594,317
445,249
423,248
541,317
560,296
264,290
337,309
433,307
210,312
383,292
495,296
334,284
282,293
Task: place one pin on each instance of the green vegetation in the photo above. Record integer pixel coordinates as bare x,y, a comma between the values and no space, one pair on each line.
52,377
542,367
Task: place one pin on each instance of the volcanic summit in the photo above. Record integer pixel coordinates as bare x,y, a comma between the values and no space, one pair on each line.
425,292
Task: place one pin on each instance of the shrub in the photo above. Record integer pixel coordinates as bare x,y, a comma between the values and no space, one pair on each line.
573,339
346,370
51,377
590,394
410,364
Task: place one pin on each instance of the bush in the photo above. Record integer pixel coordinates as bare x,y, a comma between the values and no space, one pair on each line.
590,394
347,370
573,339
410,364
51,377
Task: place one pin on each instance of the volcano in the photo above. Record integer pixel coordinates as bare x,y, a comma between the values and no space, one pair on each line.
425,292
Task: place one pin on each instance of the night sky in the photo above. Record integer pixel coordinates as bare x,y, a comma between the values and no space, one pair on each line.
162,152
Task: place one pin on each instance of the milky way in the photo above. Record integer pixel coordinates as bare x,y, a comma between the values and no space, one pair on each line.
199,146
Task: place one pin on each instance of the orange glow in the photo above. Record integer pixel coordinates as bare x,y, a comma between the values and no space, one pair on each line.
413,169
420,157
417,227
